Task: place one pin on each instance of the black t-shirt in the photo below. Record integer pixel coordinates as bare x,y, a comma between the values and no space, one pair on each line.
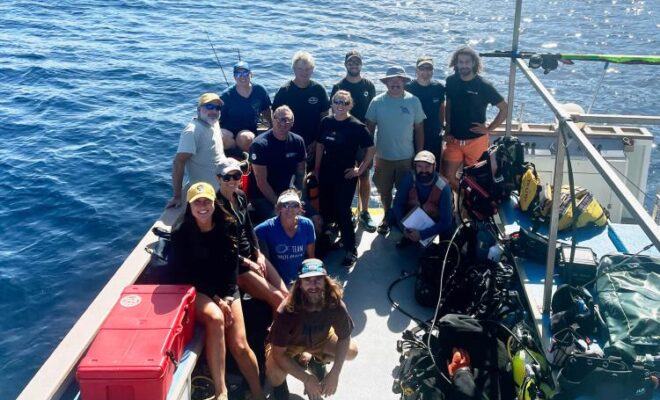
468,101
341,140
280,157
362,92
206,260
431,97
307,105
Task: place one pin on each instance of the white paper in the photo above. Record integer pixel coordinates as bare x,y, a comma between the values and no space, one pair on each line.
418,220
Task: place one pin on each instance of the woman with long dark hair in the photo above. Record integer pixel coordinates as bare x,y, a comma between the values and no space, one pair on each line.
256,274
205,254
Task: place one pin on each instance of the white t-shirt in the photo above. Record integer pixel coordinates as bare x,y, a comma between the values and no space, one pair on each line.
204,142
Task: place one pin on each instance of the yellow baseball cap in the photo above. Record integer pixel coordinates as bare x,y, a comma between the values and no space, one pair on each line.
207,98
200,189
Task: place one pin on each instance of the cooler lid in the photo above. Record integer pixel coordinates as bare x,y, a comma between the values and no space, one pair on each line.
150,307
123,353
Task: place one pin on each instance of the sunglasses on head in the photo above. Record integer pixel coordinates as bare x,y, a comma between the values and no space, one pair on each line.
211,106
290,204
228,177
340,102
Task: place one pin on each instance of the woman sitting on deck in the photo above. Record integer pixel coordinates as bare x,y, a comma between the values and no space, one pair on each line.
205,255
257,276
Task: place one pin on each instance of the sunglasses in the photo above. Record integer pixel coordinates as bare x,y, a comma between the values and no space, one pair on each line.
229,177
241,74
339,102
290,204
283,120
211,106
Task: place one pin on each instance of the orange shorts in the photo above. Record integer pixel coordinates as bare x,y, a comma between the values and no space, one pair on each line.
468,151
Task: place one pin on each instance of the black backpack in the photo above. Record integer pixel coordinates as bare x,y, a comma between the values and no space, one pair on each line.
491,180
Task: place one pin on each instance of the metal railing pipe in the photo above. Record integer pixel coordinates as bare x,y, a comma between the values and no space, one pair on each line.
627,198
512,67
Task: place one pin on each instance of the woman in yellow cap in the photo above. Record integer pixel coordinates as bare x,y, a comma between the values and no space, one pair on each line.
205,254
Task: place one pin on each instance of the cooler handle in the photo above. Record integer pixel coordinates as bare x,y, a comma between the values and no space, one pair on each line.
170,355
186,320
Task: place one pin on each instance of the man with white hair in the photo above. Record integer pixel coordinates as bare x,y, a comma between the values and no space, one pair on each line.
200,148
307,99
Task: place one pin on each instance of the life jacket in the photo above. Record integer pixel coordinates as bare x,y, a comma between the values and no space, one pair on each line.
432,204
312,186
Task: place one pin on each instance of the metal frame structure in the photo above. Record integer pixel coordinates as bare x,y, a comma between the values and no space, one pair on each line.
569,129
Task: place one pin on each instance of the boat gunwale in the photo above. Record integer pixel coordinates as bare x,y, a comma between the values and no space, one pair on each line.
57,372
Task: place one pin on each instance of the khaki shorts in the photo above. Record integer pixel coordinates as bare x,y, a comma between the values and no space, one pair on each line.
315,350
389,173
467,151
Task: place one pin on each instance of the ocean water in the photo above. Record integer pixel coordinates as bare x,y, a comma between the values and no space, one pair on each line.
93,95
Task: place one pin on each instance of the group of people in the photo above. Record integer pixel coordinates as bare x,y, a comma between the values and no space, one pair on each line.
217,247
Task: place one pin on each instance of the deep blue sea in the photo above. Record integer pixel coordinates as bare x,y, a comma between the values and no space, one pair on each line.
93,95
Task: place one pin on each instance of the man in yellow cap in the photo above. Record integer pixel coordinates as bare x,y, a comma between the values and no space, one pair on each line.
200,148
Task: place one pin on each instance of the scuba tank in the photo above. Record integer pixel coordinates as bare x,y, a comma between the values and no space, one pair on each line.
312,185
530,369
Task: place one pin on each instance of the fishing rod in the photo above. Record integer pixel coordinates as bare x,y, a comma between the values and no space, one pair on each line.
216,58
550,62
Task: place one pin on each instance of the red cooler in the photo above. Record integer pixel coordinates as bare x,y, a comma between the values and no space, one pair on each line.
134,355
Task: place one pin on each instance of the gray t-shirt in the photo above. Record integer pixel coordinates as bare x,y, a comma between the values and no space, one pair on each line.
204,142
395,118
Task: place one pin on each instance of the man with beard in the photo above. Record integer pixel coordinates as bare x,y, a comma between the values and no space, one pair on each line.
468,96
200,148
423,188
362,91
311,322
431,94
397,119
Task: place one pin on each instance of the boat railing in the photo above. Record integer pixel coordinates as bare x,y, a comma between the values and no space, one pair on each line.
568,129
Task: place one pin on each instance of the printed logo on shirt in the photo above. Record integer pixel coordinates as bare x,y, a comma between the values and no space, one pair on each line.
313,100
404,110
366,93
283,248
291,155
436,100
254,156
472,92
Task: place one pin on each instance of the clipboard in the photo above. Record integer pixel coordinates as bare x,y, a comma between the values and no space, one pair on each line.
418,220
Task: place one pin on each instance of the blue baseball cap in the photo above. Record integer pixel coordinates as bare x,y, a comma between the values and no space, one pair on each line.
311,267
242,65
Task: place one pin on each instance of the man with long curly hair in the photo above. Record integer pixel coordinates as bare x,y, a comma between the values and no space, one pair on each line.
312,326
468,95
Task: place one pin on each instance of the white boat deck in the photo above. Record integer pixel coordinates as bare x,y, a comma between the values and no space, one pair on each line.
377,325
